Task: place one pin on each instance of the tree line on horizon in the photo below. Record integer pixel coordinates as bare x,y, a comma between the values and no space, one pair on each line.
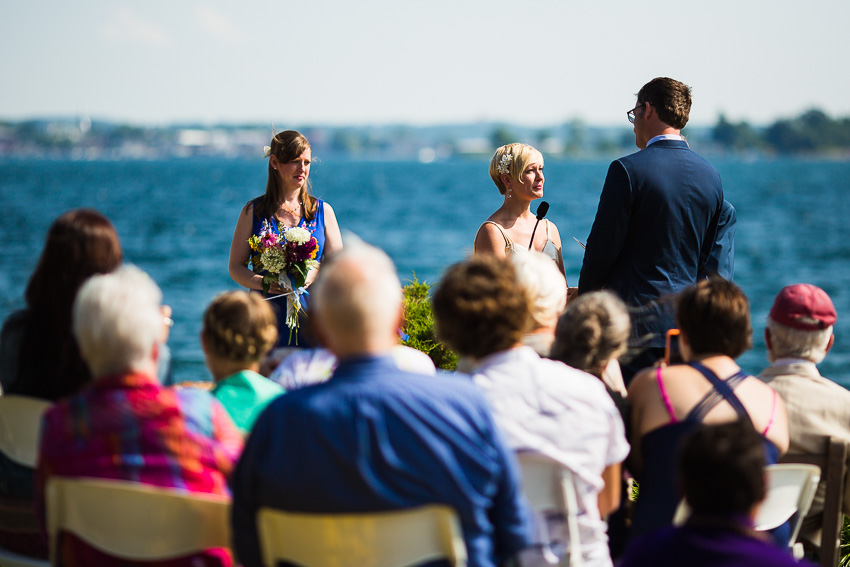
812,132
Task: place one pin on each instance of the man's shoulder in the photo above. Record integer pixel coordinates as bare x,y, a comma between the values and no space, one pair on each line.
663,150
801,378
387,385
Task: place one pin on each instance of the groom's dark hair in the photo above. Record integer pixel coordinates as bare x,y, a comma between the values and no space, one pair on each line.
670,98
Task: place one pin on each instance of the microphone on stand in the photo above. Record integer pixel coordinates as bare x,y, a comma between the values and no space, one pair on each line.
541,212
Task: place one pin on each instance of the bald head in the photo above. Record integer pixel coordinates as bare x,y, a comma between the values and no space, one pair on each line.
357,301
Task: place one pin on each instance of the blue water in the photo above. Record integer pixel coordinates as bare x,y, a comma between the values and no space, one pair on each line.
175,219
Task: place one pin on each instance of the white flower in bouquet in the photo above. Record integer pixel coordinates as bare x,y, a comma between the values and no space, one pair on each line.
297,235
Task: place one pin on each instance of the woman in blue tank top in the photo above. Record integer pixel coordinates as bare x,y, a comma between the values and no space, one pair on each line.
286,203
667,403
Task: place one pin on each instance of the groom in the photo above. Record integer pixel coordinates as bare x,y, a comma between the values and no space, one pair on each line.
657,219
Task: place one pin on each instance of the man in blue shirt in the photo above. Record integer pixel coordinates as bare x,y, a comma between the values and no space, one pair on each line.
374,437
657,219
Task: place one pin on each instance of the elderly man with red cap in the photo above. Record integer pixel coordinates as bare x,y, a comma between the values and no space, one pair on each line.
798,336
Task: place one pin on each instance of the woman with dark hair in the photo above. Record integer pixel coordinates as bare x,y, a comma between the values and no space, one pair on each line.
39,357
286,203
38,354
482,310
669,402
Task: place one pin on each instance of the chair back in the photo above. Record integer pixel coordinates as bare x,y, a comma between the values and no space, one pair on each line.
790,490
135,521
11,559
833,466
20,427
549,486
375,539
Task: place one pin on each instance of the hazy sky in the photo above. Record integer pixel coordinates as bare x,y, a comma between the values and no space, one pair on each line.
532,62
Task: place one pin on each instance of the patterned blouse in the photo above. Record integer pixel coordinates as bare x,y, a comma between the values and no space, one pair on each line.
130,427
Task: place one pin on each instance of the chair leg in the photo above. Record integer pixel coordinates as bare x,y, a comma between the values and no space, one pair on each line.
832,517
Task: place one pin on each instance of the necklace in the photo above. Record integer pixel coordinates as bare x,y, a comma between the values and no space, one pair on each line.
292,211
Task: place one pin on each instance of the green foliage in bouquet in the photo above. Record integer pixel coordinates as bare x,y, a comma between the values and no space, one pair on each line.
419,325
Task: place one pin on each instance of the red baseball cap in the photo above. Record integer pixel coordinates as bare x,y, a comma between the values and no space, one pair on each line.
803,306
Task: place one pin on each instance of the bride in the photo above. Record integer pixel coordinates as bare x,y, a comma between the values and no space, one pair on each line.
517,171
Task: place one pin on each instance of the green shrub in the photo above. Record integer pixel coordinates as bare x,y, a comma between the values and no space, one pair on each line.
844,551
419,325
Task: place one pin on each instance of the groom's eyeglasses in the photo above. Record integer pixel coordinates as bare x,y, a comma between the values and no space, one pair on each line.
631,113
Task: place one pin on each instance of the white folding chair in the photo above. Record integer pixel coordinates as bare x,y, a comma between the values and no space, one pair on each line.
549,486
136,521
11,559
376,539
790,490
20,430
20,427
833,465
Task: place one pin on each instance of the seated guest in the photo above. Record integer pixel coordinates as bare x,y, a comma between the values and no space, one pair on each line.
591,335
667,403
125,425
39,357
38,354
239,329
548,290
374,437
540,405
721,472
798,336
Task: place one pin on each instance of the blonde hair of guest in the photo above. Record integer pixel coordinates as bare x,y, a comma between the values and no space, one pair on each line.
239,329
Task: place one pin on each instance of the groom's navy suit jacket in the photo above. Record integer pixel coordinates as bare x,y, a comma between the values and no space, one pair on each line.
654,230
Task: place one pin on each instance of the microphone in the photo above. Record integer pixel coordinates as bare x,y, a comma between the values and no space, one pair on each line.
541,212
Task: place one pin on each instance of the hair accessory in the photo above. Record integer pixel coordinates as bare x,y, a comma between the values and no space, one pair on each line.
804,307
267,151
504,163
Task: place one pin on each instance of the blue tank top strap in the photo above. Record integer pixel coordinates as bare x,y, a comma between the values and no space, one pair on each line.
722,390
713,397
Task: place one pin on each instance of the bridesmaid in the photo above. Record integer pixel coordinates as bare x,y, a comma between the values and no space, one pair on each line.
286,203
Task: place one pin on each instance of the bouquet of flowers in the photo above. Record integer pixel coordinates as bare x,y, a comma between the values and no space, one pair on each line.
286,258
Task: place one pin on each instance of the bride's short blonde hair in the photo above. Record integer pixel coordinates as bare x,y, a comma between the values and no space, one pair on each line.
512,159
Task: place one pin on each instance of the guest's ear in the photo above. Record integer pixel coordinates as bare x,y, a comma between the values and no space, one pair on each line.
830,343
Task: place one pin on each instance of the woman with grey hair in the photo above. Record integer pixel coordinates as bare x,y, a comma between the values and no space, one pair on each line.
592,334
125,424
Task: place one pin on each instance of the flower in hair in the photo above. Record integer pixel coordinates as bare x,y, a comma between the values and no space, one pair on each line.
267,151
504,163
